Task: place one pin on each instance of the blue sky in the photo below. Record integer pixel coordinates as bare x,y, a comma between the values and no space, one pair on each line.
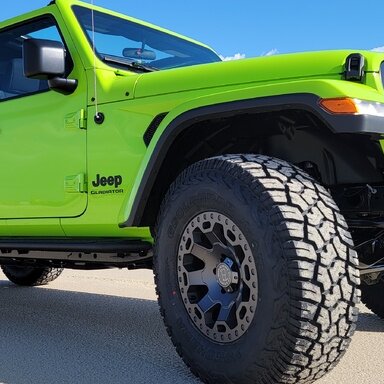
254,27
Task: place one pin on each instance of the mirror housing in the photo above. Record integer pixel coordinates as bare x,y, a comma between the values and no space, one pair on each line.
45,60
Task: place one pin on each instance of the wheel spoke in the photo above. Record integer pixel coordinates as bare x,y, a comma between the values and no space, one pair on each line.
215,291
204,254
213,238
206,303
195,278
224,313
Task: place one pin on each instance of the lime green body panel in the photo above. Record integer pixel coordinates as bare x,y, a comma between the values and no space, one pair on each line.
37,157
42,144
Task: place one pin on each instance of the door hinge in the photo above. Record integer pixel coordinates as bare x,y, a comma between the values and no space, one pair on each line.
75,184
76,120
83,119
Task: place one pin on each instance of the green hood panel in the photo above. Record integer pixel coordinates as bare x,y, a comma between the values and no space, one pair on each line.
329,64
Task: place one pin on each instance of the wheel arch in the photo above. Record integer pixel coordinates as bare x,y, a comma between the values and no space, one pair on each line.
292,127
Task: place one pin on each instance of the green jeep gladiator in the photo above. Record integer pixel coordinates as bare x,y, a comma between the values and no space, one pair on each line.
253,188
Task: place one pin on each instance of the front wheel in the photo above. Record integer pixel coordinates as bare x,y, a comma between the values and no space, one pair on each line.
31,276
255,272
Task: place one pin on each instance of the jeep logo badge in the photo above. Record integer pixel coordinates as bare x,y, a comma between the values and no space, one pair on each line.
102,181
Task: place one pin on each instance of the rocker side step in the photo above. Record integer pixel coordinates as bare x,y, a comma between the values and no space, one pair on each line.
78,253
87,245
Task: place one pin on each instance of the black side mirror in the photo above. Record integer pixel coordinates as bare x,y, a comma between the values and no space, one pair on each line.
45,60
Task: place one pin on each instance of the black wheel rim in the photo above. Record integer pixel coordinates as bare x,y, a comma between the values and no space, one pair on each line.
217,277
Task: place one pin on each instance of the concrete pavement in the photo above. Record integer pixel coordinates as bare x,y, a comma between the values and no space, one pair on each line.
104,327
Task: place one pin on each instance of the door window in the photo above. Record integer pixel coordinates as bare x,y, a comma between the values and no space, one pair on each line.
13,83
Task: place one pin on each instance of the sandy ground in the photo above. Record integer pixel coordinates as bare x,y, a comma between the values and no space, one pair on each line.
105,327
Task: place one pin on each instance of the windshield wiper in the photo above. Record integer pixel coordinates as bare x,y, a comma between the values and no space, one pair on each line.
130,64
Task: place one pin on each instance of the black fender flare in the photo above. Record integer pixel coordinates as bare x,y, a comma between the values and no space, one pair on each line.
304,101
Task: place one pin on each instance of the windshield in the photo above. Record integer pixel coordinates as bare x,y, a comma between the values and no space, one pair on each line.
120,43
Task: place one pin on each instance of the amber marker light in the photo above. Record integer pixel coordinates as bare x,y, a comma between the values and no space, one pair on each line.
347,106
340,106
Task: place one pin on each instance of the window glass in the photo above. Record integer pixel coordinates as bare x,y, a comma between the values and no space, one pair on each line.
382,73
120,42
13,83
49,33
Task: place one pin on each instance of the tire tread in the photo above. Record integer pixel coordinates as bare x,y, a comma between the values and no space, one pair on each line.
323,277
37,277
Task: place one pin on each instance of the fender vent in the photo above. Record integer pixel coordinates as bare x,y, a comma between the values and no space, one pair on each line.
151,130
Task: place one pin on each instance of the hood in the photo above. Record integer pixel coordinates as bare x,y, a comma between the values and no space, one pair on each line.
325,64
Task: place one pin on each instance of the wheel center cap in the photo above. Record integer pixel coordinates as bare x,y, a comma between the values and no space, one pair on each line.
224,275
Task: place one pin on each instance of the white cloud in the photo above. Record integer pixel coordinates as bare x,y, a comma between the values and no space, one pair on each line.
240,56
378,49
236,56
273,51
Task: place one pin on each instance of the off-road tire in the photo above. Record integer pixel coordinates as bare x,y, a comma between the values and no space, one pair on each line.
306,271
31,276
372,297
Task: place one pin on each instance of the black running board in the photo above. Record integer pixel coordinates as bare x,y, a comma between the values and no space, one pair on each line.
84,253
105,245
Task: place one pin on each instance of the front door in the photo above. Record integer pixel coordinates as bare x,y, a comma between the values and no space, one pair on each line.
42,136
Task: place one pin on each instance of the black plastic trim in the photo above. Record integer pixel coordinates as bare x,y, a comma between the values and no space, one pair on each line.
114,245
63,85
303,101
151,130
